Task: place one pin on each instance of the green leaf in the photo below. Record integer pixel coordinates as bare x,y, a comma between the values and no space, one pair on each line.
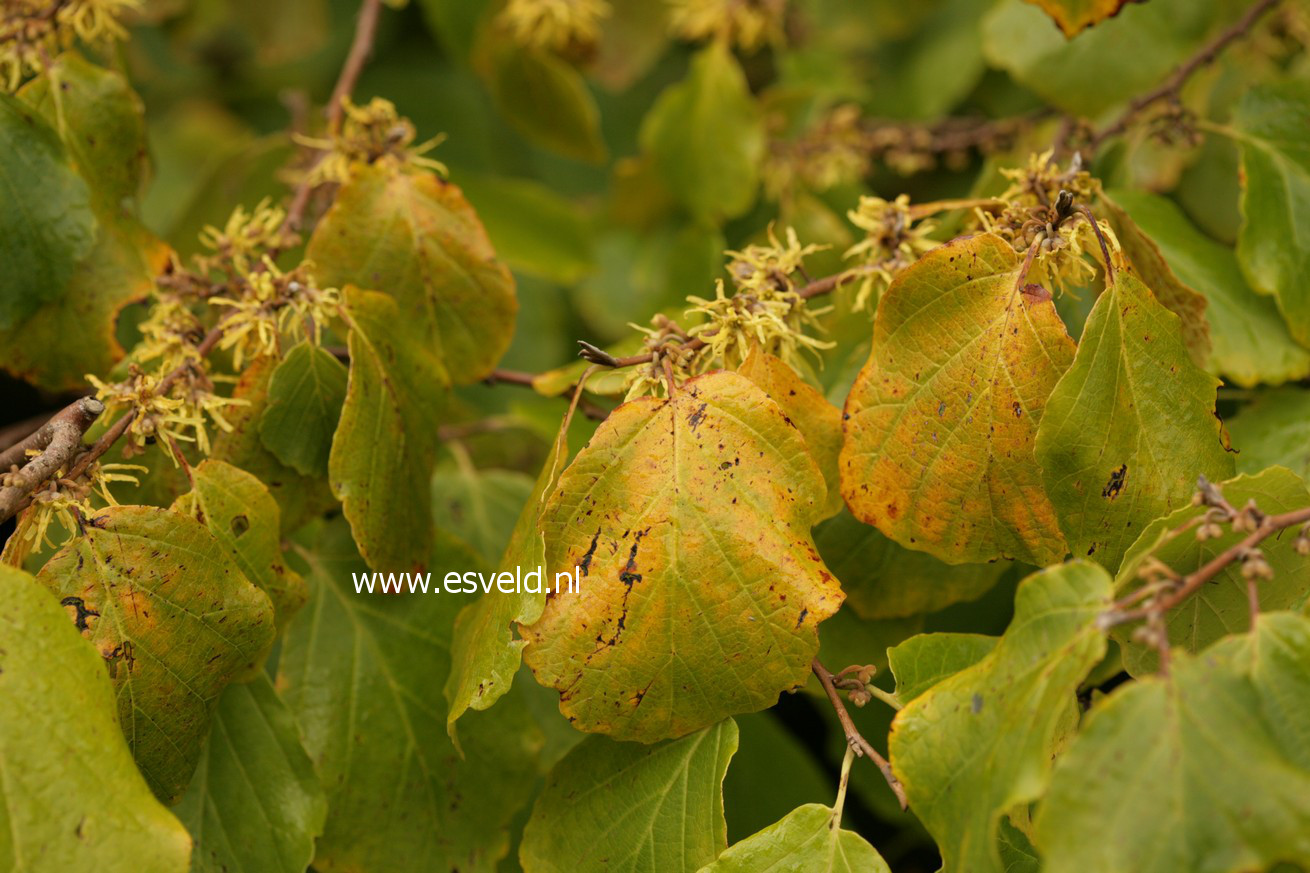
1206,770
300,497
641,273
244,517
1087,76
360,673
71,798
883,579
1143,253
59,343
633,37
848,639
1074,16
255,802
102,123
806,840
1221,607
485,652
1250,339
768,754
1129,427
941,421
414,237
534,229
385,443
1274,430
479,506
687,525
1274,243
818,420
629,808
166,607
46,223
979,742
305,396
542,96
706,135
922,661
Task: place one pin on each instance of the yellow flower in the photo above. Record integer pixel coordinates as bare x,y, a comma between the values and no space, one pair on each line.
555,25
30,34
747,24
169,334
271,303
245,238
1042,209
893,241
368,134
762,269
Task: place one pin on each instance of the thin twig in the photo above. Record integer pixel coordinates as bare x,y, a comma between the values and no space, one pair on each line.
366,27
57,441
360,48
1100,237
39,433
1192,582
528,380
854,738
1172,86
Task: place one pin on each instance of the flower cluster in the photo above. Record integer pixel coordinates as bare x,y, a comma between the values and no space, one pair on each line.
244,239
893,241
62,500
271,304
764,311
555,25
747,24
33,31
368,134
256,308
667,344
159,414
1042,210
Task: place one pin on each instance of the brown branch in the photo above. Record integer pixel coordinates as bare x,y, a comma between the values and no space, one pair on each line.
1171,87
1192,582
854,738
38,433
57,441
528,380
511,377
360,48
119,427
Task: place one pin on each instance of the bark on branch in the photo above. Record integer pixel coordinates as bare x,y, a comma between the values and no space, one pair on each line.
854,738
57,441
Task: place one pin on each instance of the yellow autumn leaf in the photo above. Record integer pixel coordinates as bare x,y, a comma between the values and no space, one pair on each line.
688,522
941,422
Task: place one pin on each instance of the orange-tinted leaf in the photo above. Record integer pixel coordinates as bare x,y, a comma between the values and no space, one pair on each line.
688,522
1073,16
941,422
175,621
817,419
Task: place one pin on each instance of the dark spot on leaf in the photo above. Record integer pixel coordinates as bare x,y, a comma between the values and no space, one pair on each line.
83,612
240,524
1116,483
586,559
